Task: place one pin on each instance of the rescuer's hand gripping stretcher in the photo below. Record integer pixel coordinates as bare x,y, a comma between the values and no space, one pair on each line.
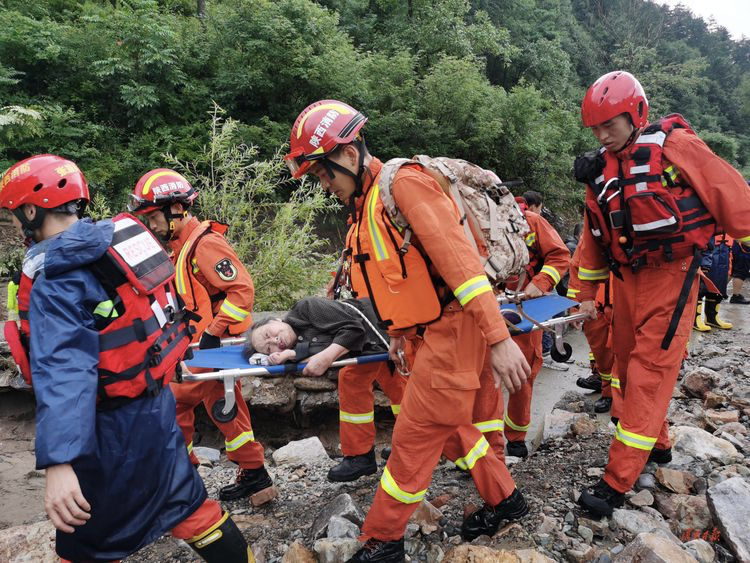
522,316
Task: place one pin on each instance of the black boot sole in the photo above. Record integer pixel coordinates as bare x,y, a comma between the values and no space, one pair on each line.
595,388
245,492
596,506
352,476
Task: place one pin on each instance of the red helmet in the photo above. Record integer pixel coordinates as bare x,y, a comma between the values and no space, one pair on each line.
159,188
613,94
318,130
45,180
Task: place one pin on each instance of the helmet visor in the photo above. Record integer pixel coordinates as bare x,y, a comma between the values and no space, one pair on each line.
137,204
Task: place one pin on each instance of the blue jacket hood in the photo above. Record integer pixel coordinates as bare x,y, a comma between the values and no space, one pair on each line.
82,243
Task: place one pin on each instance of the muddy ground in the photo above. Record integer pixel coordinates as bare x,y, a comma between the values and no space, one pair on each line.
548,478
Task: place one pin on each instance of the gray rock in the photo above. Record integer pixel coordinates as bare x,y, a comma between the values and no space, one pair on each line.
700,381
558,423
646,481
312,401
652,548
339,527
30,542
729,502
636,522
342,506
301,452
335,551
207,454
586,533
643,498
701,550
278,393
314,384
699,444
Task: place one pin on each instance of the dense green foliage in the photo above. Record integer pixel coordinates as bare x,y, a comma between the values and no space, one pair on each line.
116,85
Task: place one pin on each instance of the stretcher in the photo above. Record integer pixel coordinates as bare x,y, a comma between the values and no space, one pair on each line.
530,315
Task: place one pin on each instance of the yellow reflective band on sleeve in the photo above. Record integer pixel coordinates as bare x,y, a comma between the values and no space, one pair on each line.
530,239
239,441
12,297
357,418
515,426
237,313
671,171
495,425
190,448
615,383
395,409
179,267
478,451
572,293
744,240
378,241
389,486
593,275
608,377
471,288
634,440
551,272
106,309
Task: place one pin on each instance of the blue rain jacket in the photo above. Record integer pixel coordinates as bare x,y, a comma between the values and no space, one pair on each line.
716,265
131,462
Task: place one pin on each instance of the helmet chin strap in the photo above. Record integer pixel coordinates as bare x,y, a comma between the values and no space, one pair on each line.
170,217
332,166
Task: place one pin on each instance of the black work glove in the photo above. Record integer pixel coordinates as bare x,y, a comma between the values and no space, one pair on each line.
588,166
209,341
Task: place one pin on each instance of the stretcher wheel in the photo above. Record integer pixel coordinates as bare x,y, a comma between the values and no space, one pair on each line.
558,357
218,414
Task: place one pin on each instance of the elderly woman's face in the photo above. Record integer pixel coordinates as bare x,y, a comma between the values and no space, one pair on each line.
274,336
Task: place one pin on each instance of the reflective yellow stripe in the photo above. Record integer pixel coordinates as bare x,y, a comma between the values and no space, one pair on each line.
608,377
634,440
12,297
381,252
179,267
744,240
490,425
591,356
584,274
572,293
106,309
530,239
190,448
672,172
396,409
237,313
239,441
389,486
357,418
515,426
615,383
551,272
478,451
211,529
471,288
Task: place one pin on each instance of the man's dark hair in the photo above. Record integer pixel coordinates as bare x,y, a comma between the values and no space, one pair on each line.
532,197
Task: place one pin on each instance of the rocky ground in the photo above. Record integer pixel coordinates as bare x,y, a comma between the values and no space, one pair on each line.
693,509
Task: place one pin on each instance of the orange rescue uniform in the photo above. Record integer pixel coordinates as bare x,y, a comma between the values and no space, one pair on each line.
646,300
549,259
436,411
598,332
213,282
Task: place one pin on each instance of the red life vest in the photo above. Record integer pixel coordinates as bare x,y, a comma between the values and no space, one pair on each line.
143,328
641,208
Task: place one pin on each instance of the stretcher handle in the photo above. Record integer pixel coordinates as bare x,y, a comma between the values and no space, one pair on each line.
226,341
505,298
278,370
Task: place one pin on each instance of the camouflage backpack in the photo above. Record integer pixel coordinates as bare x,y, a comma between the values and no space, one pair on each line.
491,218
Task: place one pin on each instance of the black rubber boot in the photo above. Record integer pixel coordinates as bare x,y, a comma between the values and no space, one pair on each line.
222,543
385,453
518,449
712,313
353,467
486,520
738,298
592,382
249,482
602,500
381,551
660,456
603,404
